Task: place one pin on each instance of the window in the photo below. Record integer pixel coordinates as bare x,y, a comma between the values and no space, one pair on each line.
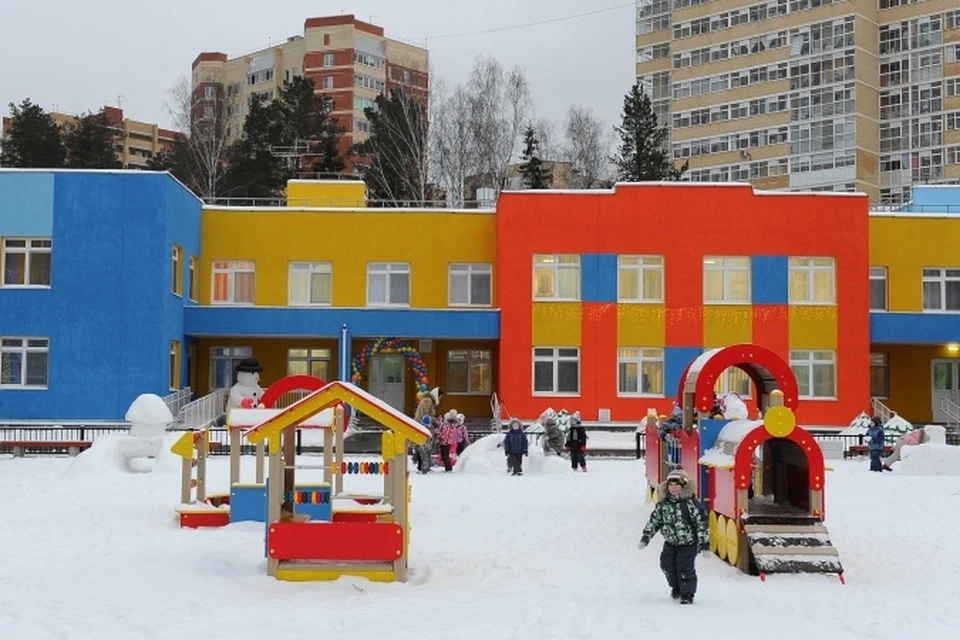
328,82
328,60
878,288
941,289
812,281
733,380
24,362
726,280
816,373
469,372
640,278
26,262
209,92
310,283
223,365
470,285
233,282
556,371
174,365
879,377
388,284
556,277
177,268
309,362
192,281
639,372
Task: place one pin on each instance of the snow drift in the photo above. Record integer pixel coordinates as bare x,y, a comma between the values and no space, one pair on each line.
485,457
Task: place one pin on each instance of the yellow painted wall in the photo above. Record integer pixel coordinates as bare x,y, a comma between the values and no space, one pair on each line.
350,194
905,245
557,324
813,327
271,352
727,324
909,371
348,239
641,325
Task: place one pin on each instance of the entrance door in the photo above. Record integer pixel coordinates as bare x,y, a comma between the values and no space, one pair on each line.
386,379
946,386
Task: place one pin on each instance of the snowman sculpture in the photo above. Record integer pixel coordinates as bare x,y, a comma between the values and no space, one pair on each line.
247,392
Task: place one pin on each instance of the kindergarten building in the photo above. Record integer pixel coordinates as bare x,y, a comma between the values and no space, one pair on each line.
119,283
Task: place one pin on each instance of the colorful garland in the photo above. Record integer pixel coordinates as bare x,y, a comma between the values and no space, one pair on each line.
392,345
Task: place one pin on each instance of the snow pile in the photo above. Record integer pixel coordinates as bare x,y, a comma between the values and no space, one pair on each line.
485,457
733,407
148,416
935,458
858,426
897,426
715,457
119,454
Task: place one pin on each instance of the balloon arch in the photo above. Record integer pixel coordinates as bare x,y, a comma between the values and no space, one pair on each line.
392,345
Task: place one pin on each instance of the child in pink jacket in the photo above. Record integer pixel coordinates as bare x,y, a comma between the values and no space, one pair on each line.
910,439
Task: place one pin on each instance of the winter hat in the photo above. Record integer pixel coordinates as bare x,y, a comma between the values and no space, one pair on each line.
450,416
678,475
249,365
461,418
515,422
436,393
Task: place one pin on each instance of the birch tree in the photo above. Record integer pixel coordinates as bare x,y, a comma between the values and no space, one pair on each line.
453,151
587,147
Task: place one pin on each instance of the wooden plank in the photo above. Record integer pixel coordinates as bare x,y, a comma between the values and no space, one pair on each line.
760,550
784,528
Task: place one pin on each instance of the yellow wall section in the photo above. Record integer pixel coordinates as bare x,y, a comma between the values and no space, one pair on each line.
909,378
905,245
271,352
641,325
727,324
273,238
813,327
327,193
557,324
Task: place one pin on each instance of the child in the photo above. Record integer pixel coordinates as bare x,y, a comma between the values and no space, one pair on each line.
875,445
679,518
463,436
577,443
287,514
515,447
911,439
447,434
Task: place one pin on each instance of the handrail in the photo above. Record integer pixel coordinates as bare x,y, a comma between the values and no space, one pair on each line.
204,411
340,203
952,410
177,400
881,410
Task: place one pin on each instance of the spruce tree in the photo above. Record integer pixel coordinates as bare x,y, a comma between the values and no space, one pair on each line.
91,143
642,155
534,175
34,139
304,119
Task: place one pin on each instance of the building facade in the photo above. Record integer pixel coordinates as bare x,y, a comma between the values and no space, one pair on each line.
823,95
350,61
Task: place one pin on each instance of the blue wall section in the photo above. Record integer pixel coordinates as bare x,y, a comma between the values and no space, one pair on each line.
769,279
26,203
676,360
935,199
361,323
916,328
598,277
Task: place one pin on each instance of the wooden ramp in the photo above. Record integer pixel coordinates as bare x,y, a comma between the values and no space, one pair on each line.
789,542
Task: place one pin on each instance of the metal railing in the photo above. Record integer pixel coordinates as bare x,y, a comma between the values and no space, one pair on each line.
909,207
952,411
177,400
204,411
339,203
881,410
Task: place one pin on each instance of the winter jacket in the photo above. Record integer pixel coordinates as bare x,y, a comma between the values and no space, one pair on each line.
515,442
680,520
875,438
913,438
447,433
460,433
577,438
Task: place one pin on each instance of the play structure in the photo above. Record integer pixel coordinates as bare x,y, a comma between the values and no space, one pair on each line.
761,481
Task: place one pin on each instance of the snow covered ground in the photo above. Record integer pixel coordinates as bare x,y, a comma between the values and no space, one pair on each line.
96,554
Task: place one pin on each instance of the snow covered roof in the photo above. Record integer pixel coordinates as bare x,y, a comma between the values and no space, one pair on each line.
736,430
246,418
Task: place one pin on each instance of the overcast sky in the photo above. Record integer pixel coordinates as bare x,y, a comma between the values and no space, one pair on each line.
77,55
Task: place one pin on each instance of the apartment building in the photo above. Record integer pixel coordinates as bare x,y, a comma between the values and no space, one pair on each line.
349,60
821,95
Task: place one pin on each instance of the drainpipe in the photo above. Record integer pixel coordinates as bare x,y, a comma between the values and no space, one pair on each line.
344,362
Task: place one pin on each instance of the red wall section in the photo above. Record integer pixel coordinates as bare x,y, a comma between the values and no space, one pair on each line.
598,356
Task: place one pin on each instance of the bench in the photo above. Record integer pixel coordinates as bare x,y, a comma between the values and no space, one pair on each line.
862,450
20,447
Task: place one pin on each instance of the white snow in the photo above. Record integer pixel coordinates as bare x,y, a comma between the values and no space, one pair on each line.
148,416
486,457
734,408
934,458
736,430
114,454
246,418
858,426
717,458
897,425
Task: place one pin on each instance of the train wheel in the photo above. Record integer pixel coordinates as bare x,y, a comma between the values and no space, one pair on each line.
721,537
732,539
714,532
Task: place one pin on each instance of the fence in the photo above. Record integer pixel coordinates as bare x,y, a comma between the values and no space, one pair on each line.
177,400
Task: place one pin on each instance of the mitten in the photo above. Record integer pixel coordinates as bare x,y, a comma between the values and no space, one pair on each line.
705,548
526,453
642,544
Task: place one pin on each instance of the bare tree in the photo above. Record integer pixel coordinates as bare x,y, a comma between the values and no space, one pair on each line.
545,132
453,150
587,148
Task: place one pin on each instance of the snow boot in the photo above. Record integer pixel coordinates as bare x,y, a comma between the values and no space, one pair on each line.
686,598
675,594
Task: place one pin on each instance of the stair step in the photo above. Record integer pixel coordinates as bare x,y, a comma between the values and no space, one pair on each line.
760,550
813,528
798,563
783,540
780,519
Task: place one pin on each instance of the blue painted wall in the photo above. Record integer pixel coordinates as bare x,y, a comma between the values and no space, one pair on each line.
676,360
110,313
770,279
598,277
935,199
916,328
26,203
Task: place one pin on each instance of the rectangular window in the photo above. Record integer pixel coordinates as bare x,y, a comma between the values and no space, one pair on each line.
177,270
640,372
223,365
878,288
24,363
388,284
328,60
470,285
879,376
556,277
309,362
556,371
193,277
469,372
640,278
726,280
310,283
733,380
812,281
941,290
26,262
175,365
328,82
816,373
233,282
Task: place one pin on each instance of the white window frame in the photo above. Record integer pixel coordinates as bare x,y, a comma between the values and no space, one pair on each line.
24,349
810,268
177,260
314,354
555,265
387,270
809,359
723,265
640,267
555,358
311,269
470,361
32,246
942,278
329,60
461,270
640,356
879,274
193,279
327,82
233,356
232,269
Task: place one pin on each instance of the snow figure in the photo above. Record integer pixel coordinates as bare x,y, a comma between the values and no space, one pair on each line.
553,438
148,416
733,407
248,375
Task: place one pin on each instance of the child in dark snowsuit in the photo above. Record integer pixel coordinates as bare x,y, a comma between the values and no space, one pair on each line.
515,447
577,444
875,441
679,518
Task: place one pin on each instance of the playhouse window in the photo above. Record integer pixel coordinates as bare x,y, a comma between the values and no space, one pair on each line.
26,262
639,372
812,281
233,282
470,285
469,372
310,283
816,373
556,277
388,284
24,362
726,280
640,278
941,290
556,370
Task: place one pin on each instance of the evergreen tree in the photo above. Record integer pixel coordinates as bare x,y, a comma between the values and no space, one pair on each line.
253,169
304,121
91,143
34,139
534,175
642,155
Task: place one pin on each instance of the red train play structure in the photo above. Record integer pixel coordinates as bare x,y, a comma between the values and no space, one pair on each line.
761,481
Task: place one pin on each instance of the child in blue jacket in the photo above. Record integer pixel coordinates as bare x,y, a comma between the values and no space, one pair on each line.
515,447
875,441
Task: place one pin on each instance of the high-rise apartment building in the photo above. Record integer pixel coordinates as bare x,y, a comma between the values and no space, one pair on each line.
350,61
831,95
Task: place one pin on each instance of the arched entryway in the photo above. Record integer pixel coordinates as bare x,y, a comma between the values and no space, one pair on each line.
387,363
